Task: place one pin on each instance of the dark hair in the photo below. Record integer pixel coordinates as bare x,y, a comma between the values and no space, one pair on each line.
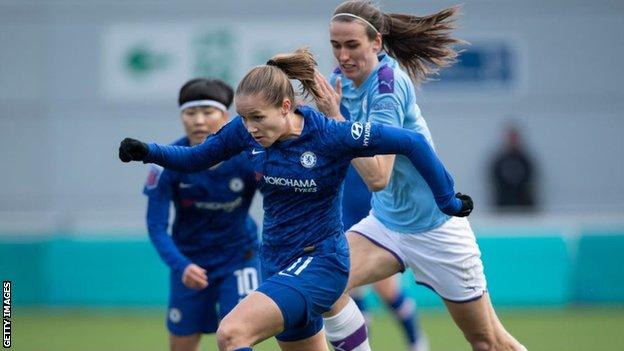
273,79
421,45
206,89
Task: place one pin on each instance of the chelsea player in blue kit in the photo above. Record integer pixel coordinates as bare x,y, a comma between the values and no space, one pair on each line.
212,252
300,158
405,226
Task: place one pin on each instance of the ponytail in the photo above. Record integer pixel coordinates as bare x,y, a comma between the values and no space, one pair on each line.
422,45
273,79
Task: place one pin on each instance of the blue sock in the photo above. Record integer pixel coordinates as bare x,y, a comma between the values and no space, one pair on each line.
405,311
244,349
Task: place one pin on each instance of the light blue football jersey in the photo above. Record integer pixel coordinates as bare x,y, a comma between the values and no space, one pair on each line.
388,96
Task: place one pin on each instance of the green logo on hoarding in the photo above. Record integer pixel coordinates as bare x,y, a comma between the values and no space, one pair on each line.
214,55
141,61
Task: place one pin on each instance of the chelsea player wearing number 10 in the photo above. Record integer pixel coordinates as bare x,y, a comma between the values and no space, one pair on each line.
300,158
212,252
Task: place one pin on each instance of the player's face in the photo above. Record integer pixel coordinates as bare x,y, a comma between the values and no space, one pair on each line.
202,121
355,52
264,122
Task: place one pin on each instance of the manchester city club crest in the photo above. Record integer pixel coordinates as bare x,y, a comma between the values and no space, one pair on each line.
236,184
308,159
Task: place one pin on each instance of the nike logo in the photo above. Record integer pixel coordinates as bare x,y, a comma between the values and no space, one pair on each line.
185,185
255,152
286,274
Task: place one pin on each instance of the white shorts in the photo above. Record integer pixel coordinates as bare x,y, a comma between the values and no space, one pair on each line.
445,259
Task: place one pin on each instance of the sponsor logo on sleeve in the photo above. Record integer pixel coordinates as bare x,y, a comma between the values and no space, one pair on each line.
367,134
384,105
356,130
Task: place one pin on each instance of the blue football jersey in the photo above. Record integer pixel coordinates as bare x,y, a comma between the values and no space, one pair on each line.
301,178
388,96
211,211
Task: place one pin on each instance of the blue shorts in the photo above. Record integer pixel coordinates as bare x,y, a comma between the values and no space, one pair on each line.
308,286
199,311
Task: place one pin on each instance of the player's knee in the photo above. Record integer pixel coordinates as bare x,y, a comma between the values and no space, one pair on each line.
230,335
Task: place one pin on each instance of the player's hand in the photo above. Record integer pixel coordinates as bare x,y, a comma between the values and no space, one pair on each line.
132,150
329,101
194,277
467,205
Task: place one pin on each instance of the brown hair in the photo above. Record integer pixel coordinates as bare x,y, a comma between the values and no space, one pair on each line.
421,45
273,79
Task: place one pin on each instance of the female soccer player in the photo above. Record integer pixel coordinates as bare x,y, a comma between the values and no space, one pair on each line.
300,158
212,252
355,207
405,227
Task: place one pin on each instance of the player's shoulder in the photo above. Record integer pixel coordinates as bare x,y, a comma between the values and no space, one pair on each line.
314,119
390,78
320,129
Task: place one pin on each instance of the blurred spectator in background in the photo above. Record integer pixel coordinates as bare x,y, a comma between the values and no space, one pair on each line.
513,175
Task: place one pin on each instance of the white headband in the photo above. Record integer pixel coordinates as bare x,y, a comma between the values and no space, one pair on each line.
355,16
197,103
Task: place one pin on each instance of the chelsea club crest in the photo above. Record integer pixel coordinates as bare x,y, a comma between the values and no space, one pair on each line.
236,184
308,159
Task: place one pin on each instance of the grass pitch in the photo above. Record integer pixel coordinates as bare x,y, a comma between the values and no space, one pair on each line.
57,329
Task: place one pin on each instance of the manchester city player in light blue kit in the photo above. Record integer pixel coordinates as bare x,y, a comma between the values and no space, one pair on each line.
212,252
300,158
380,57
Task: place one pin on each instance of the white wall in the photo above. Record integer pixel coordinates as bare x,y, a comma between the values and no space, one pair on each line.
58,135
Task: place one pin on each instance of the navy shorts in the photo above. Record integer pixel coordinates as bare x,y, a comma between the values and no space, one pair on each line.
199,311
308,286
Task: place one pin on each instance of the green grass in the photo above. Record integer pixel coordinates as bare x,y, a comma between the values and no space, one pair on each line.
105,330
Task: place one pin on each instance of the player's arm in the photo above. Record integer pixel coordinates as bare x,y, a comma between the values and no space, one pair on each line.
226,143
158,192
374,171
158,202
371,139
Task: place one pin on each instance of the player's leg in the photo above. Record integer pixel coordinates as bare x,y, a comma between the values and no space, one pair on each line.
374,256
480,325
237,284
316,342
291,301
191,312
447,259
256,318
404,310
184,343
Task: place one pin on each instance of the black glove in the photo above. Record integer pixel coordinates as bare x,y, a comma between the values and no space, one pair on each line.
132,150
467,205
